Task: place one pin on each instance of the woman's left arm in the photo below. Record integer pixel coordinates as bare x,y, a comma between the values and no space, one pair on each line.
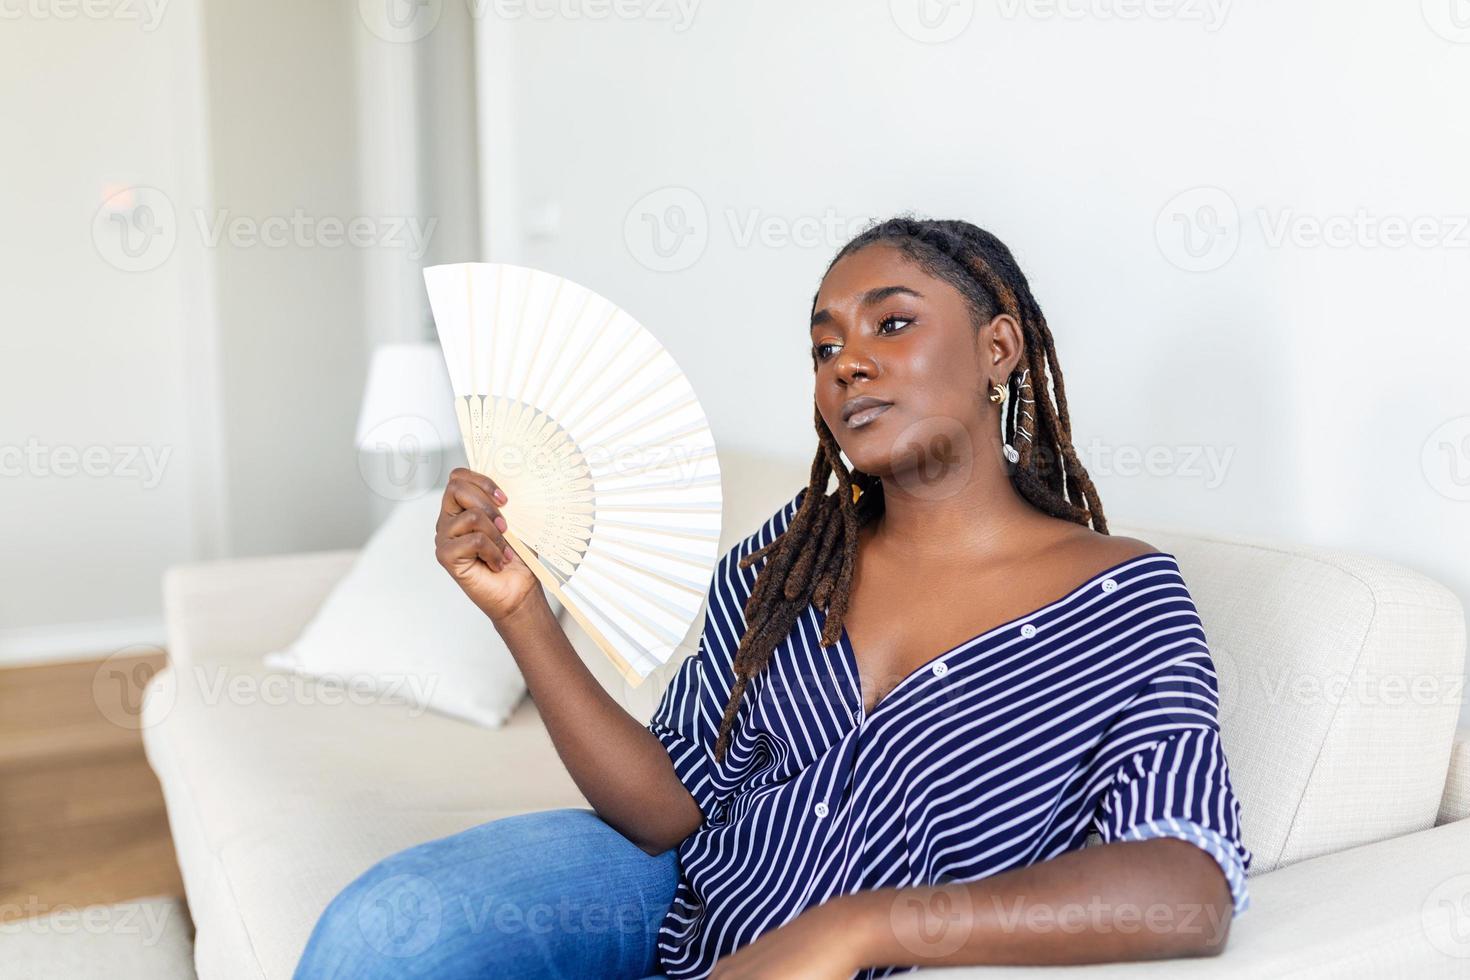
1128,900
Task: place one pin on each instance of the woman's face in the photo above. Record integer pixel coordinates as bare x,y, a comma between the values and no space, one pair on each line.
902,375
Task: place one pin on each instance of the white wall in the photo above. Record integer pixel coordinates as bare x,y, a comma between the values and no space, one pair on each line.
230,351
1317,376
93,358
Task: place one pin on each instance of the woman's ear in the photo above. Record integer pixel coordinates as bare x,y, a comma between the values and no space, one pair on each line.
1003,345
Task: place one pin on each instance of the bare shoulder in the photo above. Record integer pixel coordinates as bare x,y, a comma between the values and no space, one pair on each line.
1088,551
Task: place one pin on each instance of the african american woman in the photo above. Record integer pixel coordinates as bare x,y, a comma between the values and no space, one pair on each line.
938,714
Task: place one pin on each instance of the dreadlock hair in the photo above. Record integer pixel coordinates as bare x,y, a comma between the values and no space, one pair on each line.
812,561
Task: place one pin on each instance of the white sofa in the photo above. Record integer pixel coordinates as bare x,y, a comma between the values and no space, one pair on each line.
1340,706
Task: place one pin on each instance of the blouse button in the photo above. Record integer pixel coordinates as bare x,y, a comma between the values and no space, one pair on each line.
1109,585
821,809
1028,631
940,669
857,714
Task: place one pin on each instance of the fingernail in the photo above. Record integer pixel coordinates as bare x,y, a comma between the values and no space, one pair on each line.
509,554
500,495
499,522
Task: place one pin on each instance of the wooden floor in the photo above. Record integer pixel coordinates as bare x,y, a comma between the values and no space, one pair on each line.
81,815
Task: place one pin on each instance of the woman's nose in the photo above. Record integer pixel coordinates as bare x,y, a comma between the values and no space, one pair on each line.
853,363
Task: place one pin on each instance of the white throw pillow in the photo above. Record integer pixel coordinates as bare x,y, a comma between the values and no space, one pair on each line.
397,624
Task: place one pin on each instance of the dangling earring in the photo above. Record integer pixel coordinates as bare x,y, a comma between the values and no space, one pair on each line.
998,397
998,393
1011,453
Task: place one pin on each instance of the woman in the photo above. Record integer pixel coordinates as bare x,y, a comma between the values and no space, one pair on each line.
913,699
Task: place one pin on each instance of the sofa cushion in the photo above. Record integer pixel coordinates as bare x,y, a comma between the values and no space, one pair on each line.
1341,680
277,799
397,622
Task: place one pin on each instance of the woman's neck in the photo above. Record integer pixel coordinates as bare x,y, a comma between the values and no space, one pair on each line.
959,518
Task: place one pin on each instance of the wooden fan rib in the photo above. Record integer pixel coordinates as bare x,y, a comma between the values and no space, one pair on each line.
554,585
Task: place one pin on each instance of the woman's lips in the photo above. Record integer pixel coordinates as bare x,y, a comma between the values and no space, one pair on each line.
859,419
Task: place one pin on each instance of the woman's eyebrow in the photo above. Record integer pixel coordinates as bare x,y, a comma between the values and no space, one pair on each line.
875,295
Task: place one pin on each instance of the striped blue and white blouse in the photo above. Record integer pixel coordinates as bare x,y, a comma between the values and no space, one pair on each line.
1097,711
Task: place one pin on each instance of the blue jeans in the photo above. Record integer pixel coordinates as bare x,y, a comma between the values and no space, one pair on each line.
552,894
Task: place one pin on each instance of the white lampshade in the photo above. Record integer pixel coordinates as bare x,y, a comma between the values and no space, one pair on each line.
407,434
407,399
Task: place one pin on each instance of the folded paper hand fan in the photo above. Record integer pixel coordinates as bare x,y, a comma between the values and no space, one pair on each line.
600,444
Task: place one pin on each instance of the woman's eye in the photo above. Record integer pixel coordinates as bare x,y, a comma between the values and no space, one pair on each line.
821,351
893,319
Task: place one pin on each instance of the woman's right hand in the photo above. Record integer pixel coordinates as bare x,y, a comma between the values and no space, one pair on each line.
469,544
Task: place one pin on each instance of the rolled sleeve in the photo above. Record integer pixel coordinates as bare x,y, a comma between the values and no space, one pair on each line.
1163,772
1180,788
682,724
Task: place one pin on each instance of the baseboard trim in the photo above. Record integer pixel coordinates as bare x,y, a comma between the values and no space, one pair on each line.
64,642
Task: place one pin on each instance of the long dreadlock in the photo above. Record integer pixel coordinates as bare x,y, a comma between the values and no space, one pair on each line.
812,561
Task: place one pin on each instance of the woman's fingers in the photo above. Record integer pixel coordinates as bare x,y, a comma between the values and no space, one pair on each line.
470,479
476,544
472,521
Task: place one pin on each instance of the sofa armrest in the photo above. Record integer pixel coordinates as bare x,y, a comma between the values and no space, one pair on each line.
228,611
1394,908
1455,804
